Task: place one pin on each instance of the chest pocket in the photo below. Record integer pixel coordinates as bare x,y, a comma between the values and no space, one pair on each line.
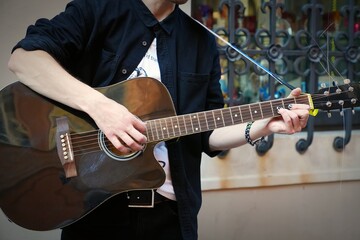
106,67
192,92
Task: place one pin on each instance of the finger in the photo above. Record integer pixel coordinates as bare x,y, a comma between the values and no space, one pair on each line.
130,143
137,136
295,92
295,121
139,125
291,121
118,145
299,118
302,111
303,118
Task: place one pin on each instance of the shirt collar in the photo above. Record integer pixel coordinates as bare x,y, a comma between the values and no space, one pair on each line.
150,21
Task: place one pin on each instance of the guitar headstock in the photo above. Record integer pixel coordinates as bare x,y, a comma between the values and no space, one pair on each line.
337,97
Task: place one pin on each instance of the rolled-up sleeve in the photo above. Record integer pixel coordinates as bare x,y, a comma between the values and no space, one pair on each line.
62,36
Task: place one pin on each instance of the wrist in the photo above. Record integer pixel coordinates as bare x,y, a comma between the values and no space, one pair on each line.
248,137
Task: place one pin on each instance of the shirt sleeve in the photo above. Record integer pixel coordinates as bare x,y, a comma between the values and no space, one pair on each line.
62,36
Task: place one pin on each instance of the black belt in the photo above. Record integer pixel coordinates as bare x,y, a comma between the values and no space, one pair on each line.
145,198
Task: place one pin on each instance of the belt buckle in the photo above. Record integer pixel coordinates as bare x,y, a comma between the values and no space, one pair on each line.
138,201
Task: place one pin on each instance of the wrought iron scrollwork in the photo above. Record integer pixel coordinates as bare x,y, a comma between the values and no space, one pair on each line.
305,53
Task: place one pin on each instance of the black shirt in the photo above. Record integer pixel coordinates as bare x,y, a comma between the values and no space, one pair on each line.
101,42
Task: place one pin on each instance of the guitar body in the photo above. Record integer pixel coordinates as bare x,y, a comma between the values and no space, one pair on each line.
34,191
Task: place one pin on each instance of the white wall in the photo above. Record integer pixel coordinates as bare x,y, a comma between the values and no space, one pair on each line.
326,211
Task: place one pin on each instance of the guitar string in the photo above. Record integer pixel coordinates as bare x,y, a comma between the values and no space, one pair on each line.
88,141
246,116
158,128
85,135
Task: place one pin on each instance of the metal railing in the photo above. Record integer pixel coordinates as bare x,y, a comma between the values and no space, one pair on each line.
318,52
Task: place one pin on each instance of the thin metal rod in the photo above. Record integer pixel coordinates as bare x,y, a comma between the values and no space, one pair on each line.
277,78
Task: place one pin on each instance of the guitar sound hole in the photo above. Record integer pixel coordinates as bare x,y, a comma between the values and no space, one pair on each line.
112,152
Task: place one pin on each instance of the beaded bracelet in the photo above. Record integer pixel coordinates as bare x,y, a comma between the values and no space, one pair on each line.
247,135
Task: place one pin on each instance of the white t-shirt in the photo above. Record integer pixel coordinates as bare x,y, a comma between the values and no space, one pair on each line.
149,67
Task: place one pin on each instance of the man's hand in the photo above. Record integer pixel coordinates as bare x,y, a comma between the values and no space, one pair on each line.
122,128
291,120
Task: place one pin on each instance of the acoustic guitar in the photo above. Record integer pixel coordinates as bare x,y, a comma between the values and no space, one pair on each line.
56,166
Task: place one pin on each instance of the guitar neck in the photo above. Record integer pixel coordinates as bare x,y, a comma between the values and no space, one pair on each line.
187,124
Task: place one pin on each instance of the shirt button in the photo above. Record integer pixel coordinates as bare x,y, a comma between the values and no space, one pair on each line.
123,71
144,43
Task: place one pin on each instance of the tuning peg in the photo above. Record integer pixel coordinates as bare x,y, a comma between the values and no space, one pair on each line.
326,93
347,81
338,91
323,85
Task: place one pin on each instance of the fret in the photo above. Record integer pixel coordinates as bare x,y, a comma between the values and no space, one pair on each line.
188,124
267,110
210,119
176,127
170,130
236,115
222,117
202,121
288,101
156,135
252,119
184,125
245,113
261,111
195,122
179,125
172,126
255,111
156,130
218,119
272,108
283,105
276,105
226,113
149,132
214,117
163,129
206,120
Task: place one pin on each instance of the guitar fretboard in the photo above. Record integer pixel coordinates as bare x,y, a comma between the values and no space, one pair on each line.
177,126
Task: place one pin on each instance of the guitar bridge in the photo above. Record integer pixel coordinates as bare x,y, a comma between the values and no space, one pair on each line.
64,147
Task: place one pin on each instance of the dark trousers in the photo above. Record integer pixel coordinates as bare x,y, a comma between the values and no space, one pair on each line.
115,220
